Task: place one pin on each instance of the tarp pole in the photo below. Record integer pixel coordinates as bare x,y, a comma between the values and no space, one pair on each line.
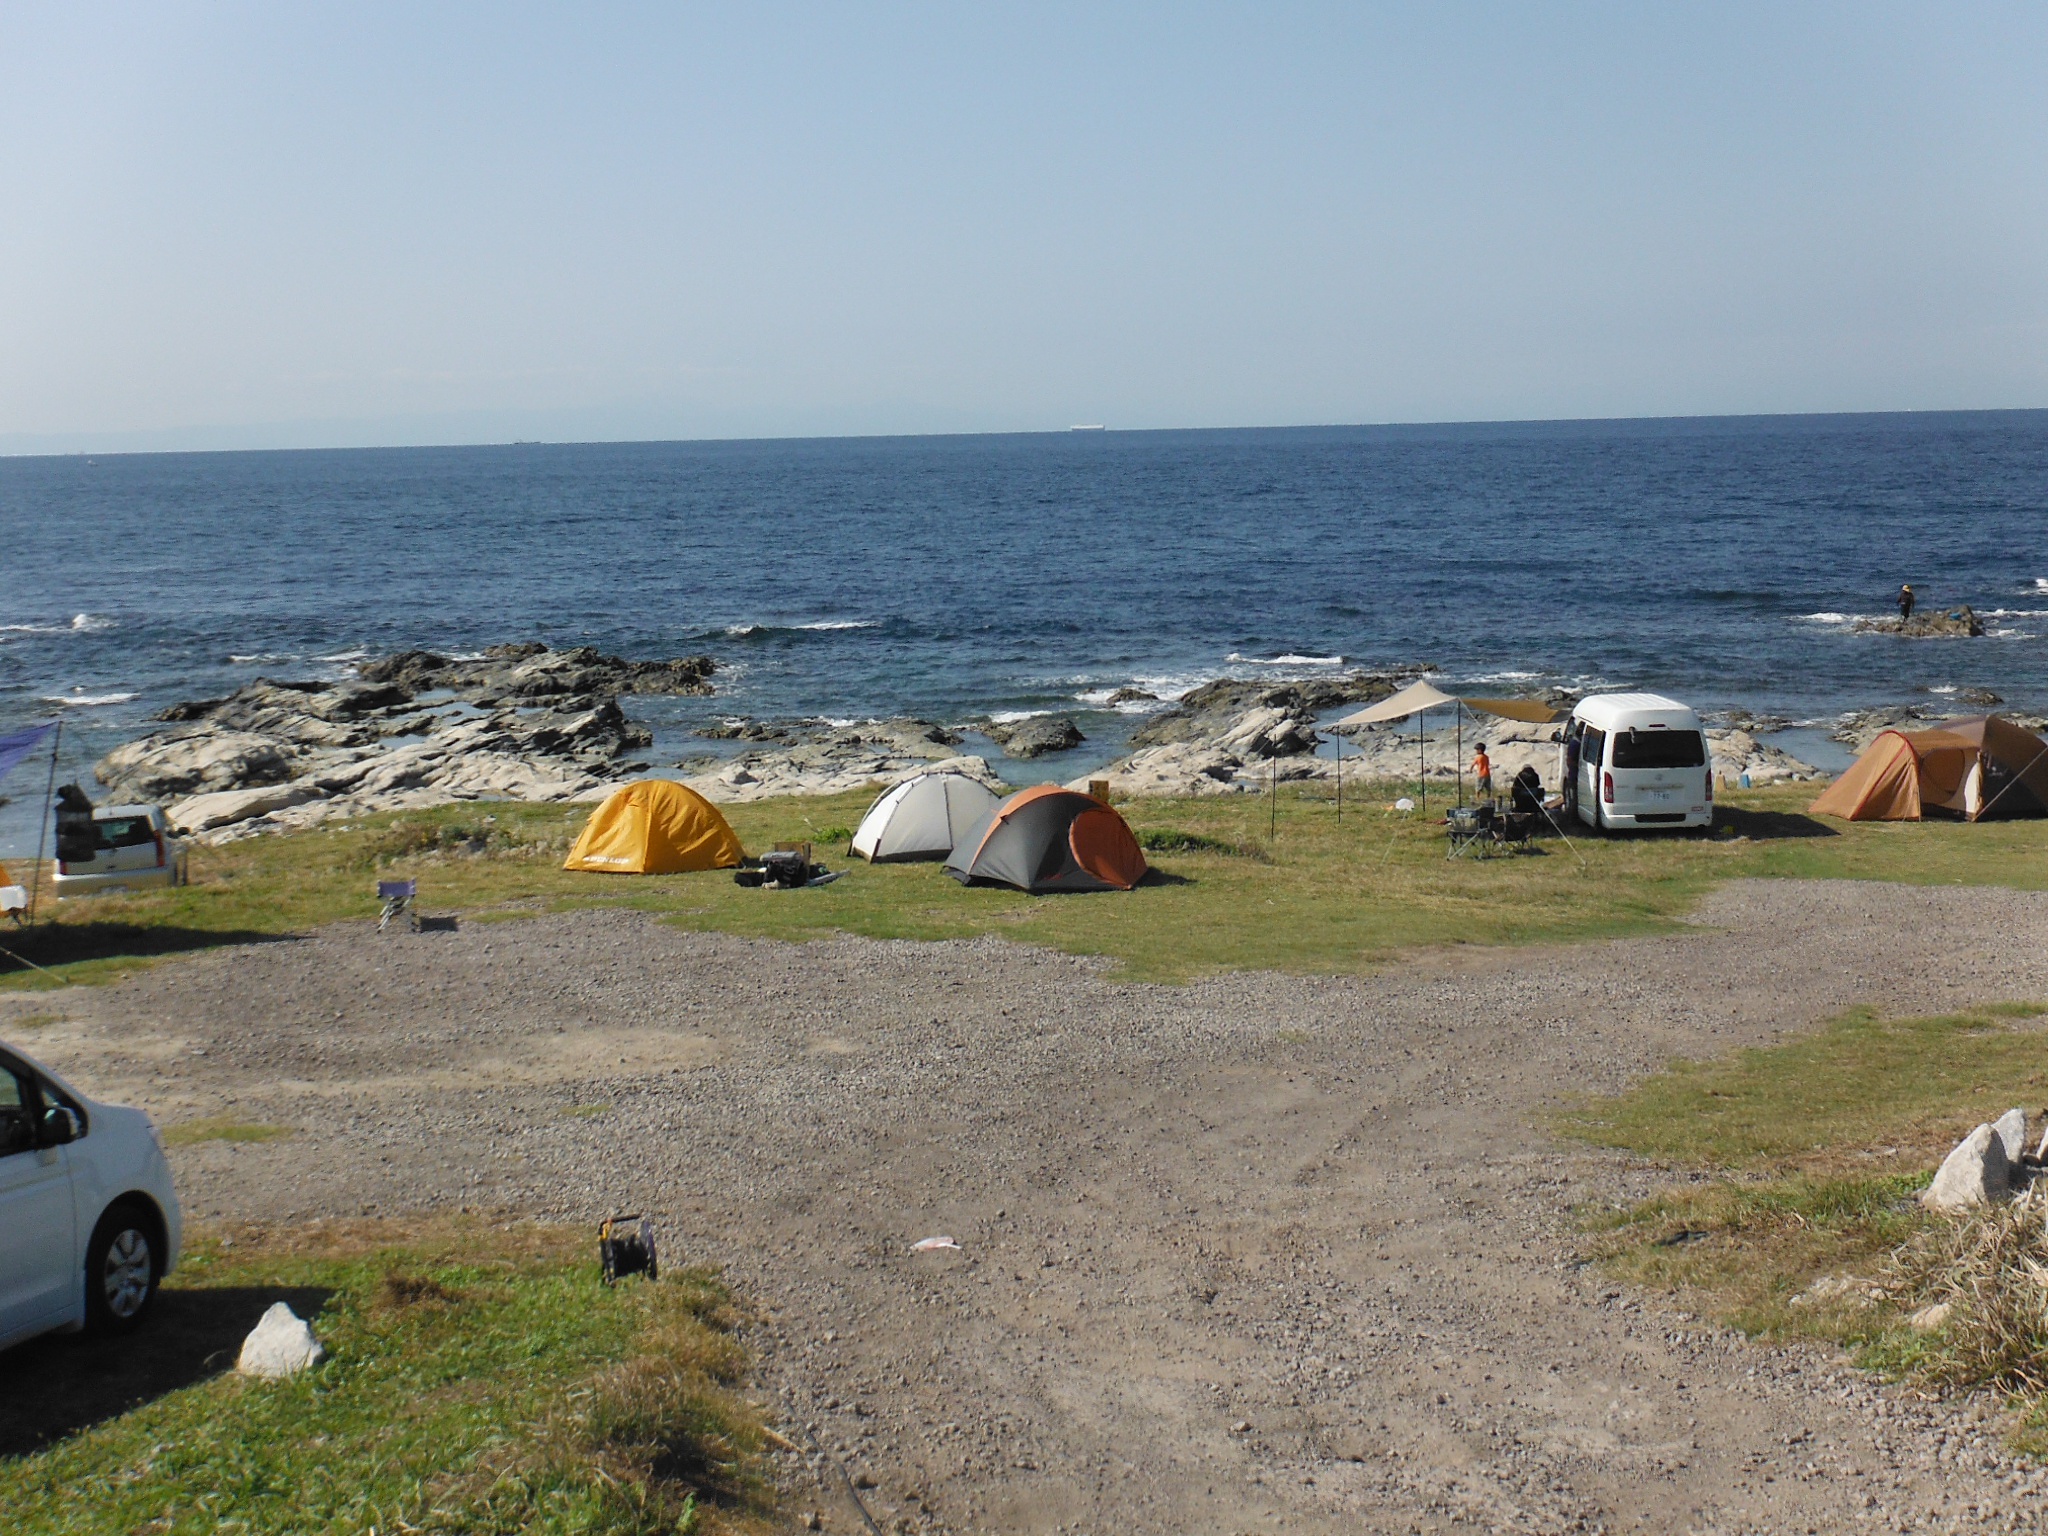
1340,774
43,831
1273,801
1461,757
1421,762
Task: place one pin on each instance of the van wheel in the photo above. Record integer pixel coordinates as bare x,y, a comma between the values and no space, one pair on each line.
123,1263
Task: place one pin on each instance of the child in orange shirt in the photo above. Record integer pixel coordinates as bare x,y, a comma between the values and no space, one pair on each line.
1482,773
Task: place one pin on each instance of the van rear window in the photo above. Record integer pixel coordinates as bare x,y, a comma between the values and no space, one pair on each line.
1659,749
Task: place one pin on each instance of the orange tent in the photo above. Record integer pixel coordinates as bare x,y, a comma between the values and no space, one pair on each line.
655,827
1050,839
1979,768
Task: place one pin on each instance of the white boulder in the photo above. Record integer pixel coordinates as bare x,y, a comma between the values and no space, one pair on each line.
280,1345
2012,1132
202,813
1976,1173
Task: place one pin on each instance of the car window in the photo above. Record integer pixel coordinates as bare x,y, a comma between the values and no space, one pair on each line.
1592,746
126,832
17,1124
1659,749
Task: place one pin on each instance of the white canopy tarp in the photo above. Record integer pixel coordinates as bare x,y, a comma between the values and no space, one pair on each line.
1412,700
1417,697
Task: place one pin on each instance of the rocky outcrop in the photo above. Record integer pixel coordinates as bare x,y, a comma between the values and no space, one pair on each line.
415,729
1035,737
1214,710
1956,624
531,673
821,771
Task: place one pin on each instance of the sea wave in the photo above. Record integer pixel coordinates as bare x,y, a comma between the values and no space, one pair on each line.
355,653
1826,617
1289,660
260,657
842,624
88,700
81,624
1012,716
754,631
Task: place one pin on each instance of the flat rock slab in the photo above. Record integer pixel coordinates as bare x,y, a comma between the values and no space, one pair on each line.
1260,1253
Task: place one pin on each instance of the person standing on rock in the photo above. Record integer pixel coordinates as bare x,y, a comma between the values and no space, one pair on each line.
1906,603
1482,773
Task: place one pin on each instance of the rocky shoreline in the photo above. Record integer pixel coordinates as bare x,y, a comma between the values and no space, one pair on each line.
524,722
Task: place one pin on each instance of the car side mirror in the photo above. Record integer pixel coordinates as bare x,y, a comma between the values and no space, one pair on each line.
1557,735
60,1127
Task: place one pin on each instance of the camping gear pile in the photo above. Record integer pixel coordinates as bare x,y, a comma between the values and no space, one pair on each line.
786,869
1982,768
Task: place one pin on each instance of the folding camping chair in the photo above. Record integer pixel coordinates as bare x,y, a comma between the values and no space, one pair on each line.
397,896
13,902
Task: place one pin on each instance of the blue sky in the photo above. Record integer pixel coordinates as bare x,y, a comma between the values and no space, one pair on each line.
263,225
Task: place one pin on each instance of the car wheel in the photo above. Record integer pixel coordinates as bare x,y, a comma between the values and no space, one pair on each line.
123,1263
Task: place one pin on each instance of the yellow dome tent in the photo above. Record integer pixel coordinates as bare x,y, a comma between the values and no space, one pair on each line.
655,827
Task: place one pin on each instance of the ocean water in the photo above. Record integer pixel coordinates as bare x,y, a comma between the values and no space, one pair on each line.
1721,560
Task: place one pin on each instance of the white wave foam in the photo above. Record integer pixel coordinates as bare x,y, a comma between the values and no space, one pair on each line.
259,657
78,700
81,624
1826,618
1941,687
355,654
842,624
2041,583
1503,677
2015,613
2010,634
1289,660
1012,716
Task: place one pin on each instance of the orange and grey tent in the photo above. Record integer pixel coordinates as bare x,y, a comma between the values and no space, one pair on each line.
1983,768
1050,839
655,827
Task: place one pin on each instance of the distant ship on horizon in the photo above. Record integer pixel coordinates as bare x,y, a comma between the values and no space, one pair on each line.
1088,426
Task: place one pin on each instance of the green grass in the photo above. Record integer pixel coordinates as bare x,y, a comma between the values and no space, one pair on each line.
478,1380
1864,1084
1241,883
1800,1162
190,1133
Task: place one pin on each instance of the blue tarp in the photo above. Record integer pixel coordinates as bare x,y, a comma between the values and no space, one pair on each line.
17,745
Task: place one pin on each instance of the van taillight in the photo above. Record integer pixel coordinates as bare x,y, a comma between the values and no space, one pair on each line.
1607,787
1710,786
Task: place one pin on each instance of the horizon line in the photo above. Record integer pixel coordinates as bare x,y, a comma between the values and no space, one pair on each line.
1089,430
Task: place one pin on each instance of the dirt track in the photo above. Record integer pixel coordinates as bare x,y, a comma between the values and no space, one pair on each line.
1260,1254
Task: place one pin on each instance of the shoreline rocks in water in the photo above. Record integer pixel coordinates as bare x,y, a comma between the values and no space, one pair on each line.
1034,736
1957,624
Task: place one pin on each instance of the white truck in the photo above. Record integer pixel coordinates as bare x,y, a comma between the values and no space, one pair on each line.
1637,761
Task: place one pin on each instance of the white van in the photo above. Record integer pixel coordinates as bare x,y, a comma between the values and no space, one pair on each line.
116,848
1642,761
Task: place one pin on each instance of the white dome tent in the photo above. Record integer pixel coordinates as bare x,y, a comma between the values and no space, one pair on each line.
923,817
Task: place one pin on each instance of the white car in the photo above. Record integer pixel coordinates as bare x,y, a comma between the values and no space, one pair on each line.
1636,761
90,1221
119,847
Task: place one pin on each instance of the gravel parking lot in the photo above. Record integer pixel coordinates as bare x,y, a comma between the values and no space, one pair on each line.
1264,1253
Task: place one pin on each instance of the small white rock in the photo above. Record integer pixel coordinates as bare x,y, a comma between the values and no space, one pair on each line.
1927,1319
281,1344
2012,1130
1976,1173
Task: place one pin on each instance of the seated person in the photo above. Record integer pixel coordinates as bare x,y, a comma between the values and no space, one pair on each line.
1525,793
